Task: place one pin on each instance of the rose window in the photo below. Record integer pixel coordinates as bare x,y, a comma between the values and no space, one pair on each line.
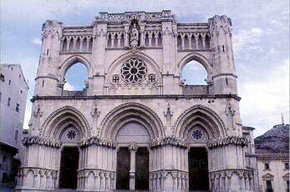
133,71
71,134
197,134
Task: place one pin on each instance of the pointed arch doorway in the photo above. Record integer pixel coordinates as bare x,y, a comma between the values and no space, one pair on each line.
69,158
198,160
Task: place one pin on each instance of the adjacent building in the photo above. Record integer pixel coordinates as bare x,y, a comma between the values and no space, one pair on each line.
136,125
272,151
13,93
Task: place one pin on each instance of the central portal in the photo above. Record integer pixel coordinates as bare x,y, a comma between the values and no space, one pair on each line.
133,157
198,169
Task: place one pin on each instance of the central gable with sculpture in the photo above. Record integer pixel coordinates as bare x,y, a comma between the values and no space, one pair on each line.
137,124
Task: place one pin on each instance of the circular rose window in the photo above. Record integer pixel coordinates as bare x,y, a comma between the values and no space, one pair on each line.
133,71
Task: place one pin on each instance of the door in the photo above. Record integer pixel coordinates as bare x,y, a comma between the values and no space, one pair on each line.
198,169
142,169
68,168
123,168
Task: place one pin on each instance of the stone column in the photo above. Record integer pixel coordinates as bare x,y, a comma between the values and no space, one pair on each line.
132,148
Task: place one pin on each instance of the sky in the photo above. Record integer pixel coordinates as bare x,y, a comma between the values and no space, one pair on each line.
260,41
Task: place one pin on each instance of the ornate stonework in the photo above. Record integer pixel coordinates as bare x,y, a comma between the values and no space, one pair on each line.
135,123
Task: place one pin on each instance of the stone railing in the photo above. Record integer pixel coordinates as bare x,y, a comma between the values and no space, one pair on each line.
76,43
139,15
193,41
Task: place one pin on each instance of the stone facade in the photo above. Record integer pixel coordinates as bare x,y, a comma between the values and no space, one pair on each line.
135,99
13,93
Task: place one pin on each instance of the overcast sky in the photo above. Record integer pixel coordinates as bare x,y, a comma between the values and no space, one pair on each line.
260,36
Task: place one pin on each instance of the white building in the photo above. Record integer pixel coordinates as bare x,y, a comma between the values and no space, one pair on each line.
13,93
136,125
273,159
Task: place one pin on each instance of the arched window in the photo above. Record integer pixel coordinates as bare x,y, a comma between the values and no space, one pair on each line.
153,41
186,42
78,44
194,73
159,39
76,77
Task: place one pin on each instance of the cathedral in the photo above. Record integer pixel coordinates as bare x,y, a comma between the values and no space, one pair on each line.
137,126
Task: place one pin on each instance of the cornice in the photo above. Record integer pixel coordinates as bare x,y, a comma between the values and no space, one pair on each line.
168,141
93,97
230,140
30,140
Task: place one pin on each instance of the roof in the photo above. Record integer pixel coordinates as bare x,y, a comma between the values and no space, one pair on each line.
274,143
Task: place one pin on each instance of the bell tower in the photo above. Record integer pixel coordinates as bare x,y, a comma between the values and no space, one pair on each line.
224,75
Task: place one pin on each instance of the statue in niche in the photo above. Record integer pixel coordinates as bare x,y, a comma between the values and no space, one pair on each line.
134,36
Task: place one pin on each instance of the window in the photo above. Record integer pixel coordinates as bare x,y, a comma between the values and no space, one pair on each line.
267,166
9,99
2,77
286,166
16,133
17,107
134,71
269,186
194,73
76,77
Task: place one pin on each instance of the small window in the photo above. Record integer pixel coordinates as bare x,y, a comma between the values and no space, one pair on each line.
9,82
8,103
286,166
16,135
269,186
115,78
2,77
267,166
17,107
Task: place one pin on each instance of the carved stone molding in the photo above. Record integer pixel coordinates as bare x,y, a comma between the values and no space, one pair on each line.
231,140
98,141
23,171
168,141
41,141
